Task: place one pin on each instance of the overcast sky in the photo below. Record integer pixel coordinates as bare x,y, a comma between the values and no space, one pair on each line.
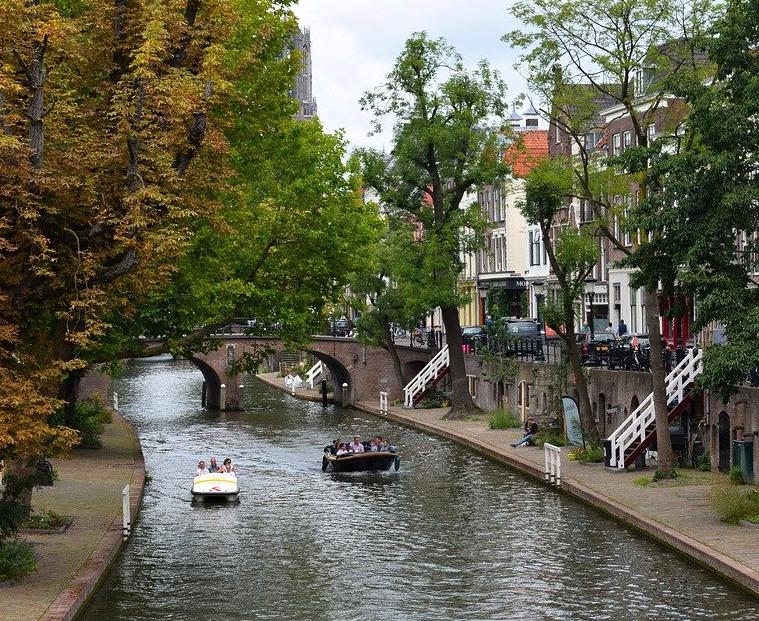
354,44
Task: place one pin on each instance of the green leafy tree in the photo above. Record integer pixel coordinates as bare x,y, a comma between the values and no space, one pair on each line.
583,57
708,198
446,141
572,254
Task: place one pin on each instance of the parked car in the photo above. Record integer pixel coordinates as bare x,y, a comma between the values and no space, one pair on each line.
522,328
340,327
473,335
591,349
643,340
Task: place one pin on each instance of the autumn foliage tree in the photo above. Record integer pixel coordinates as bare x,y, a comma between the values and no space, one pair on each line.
149,160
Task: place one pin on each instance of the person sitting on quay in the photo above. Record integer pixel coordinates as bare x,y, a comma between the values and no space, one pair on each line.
530,429
356,446
213,466
201,469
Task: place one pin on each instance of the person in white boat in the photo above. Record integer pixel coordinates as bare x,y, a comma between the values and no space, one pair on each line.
213,466
227,467
201,469
356,445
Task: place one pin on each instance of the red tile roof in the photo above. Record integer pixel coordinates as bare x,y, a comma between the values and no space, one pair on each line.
530,149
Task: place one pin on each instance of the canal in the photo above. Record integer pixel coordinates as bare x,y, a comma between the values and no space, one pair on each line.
451,536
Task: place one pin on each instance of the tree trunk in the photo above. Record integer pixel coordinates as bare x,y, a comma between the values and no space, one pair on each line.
19,483
387,336
665,458
588,422
461,401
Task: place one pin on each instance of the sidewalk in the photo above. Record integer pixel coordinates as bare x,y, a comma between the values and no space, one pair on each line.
71,564
678,515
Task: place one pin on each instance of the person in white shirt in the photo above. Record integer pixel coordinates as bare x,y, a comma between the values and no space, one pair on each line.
356,445
342,450
201,469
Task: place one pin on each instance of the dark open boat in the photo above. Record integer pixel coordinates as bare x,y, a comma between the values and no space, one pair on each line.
358,462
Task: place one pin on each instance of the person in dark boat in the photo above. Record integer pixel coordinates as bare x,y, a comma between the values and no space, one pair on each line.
342,450
356,446
332,449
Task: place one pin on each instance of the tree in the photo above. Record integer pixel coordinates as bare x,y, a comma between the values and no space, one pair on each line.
445,142
148,159
708,202
582,57
572,255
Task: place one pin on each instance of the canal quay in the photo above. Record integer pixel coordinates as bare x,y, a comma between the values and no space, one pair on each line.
451,535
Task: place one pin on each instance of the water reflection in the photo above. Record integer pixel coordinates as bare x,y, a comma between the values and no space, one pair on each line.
449,536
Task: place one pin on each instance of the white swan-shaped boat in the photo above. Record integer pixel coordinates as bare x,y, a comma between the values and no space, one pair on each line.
215,486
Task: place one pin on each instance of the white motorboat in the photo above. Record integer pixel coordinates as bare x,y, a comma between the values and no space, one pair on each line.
215,486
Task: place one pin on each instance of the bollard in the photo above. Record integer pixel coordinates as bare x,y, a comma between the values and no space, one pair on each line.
126,512
116,401
324,393
223,397
383,402
345,394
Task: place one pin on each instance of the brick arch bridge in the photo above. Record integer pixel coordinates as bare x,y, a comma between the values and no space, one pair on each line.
366,370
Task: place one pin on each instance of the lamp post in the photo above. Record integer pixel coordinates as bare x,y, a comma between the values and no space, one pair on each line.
590,290
538,288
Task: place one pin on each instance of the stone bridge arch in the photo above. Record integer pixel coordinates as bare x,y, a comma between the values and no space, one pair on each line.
367,370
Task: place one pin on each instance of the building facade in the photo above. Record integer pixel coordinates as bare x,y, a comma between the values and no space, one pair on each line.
303,90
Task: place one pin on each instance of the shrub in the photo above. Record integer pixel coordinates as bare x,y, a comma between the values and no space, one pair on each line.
434,399
90,418
736,475
543,437
734,504
16,560
704,462
47,520
589,454
503,419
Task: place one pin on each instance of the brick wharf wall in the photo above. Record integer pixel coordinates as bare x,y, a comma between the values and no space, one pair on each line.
613,395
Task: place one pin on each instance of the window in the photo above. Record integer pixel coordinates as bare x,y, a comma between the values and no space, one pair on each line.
592,139
616,142
534,248
617,292
651,132
557,134
626,140
472,380
531,122
545,255
628,236
633,318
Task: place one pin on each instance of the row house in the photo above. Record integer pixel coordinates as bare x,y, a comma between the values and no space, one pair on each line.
512,257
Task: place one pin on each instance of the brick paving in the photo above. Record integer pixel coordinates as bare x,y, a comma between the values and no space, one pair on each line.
680,516
70,564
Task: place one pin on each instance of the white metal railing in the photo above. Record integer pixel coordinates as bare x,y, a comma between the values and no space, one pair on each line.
552,468
426,376
313,374
383,402
633,428
126,513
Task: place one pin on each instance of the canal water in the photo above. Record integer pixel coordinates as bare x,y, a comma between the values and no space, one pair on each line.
451,536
